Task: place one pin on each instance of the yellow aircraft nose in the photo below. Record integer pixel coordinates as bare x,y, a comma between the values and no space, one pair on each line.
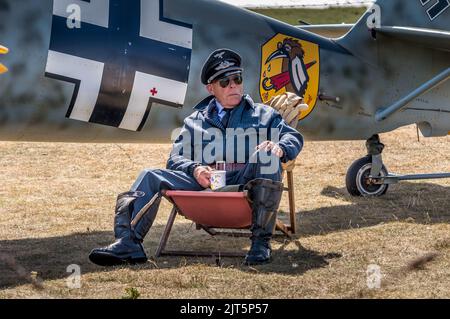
3,50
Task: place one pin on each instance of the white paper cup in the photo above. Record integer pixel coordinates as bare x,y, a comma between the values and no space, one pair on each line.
218,179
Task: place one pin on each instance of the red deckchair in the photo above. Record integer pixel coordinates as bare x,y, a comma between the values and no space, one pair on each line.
218,210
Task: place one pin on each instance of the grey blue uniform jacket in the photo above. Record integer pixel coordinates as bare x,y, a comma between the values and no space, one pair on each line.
204,140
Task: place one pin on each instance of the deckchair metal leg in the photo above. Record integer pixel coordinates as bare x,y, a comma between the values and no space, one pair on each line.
161,251
213,232
289,230
166,233
284,229
290,181
201,253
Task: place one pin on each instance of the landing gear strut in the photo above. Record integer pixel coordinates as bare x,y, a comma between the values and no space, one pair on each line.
361,176
368,176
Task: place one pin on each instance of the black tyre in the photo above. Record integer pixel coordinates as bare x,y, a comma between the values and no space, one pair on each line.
357,179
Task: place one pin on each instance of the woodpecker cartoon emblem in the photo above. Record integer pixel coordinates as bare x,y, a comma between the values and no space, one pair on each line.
290,65
3,50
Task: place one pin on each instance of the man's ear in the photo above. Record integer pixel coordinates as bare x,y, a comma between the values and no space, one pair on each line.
210,89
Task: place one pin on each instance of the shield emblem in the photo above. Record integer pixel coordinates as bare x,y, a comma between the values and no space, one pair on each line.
290,65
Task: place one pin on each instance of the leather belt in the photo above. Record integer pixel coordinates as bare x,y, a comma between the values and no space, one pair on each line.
229,167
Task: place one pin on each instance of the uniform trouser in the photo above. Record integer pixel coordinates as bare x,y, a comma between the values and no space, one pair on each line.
152,181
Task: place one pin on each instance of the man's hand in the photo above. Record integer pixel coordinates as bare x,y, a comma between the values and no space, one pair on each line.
202,175
271,146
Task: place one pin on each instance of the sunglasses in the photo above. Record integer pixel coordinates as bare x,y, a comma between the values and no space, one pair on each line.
237,79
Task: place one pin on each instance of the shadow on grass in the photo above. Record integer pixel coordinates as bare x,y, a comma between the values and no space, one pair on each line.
294,262
421,203
50,257
285,261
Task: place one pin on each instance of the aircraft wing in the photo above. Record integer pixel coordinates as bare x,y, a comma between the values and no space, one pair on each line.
96,66
328,30
436,39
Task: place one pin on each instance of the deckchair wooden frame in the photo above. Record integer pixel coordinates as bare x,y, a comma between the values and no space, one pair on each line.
285,229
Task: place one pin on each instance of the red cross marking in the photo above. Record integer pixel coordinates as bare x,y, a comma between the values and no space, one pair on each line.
154,91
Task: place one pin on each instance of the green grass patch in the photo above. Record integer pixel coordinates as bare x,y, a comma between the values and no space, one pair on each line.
315,16
131,293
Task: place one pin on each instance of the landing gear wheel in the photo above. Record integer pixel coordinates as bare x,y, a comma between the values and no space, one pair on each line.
358,182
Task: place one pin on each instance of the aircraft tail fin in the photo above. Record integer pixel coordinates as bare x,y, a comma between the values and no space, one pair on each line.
426,14
420,21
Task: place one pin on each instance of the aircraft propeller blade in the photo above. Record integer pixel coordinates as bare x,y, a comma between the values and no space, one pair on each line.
3,50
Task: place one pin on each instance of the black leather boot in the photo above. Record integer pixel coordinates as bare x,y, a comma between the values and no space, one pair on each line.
265,196
129,232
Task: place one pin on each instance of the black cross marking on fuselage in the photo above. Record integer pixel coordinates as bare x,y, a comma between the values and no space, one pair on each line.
123,52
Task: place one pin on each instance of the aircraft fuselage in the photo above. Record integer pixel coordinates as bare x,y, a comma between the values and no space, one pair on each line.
130,71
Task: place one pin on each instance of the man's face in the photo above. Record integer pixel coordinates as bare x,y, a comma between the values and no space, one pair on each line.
228,91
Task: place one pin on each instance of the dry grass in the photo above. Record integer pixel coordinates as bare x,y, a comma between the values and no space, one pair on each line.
57,200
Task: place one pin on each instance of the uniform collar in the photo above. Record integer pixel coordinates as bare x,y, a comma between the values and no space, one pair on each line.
219,107
209,102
